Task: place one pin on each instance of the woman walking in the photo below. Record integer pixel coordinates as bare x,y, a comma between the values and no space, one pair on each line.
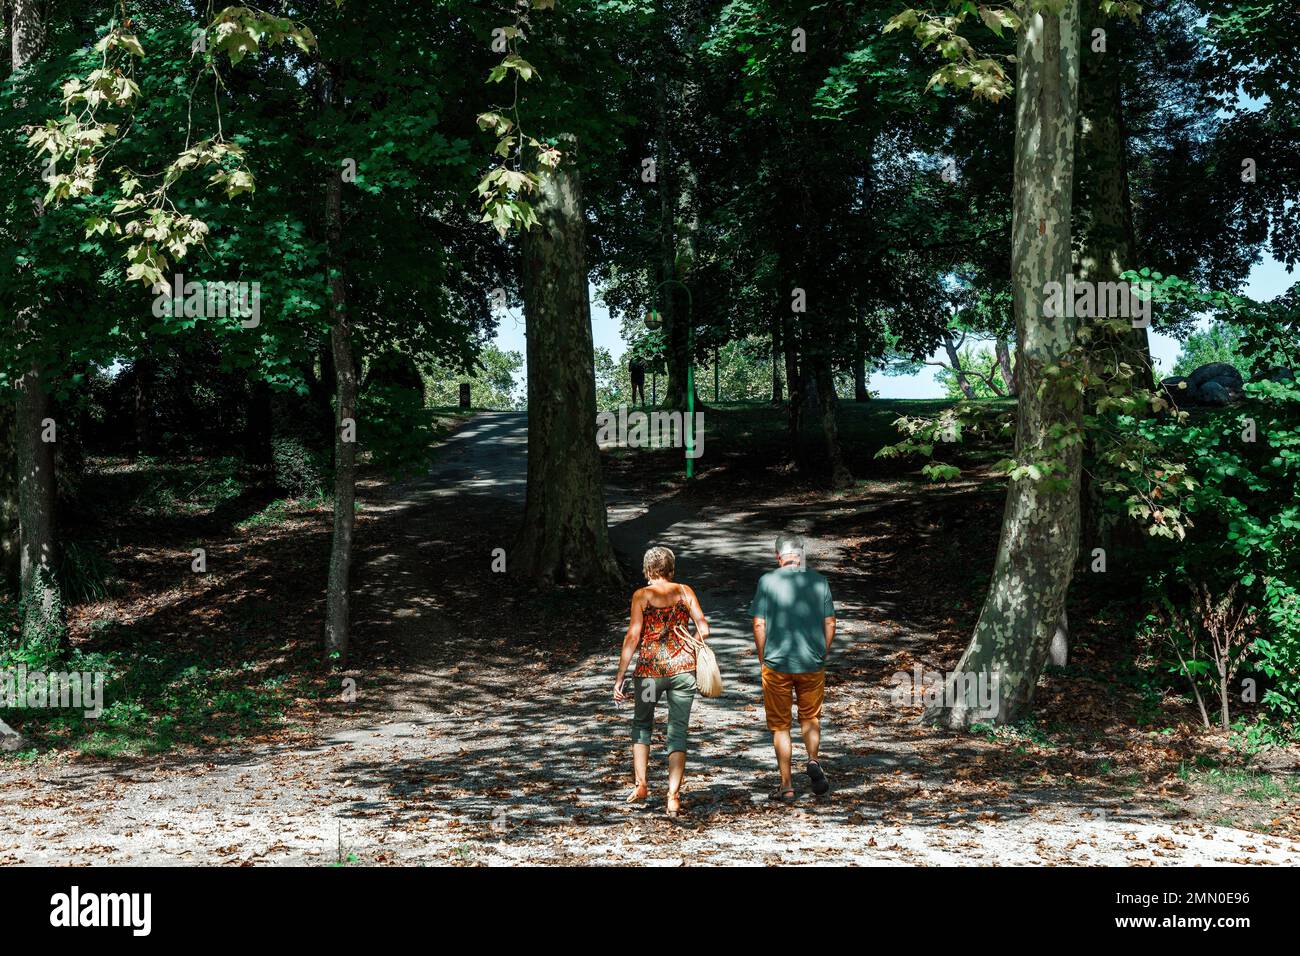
665,664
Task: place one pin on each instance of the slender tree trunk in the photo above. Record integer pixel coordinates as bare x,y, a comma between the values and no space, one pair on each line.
778,395
1105,243
1040,525
142,411
674,321
42,601
954,360
860,393
1004,364
565,537
1103,207
837,473
337,625
9,533
794,384
257,426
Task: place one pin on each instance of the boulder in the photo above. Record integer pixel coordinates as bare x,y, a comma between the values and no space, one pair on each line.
10,739
1175,388
1277,373
1213,393
1216,384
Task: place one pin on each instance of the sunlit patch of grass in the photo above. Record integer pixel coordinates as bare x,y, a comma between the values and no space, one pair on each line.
278,512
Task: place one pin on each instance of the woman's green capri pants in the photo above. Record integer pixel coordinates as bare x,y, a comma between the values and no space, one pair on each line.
680,689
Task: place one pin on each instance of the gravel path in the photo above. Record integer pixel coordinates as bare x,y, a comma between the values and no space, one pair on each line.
536,774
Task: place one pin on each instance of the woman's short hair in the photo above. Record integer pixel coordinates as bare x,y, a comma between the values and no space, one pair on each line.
659,563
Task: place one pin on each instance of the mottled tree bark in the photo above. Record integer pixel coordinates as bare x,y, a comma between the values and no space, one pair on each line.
1040,524
565,537
337,625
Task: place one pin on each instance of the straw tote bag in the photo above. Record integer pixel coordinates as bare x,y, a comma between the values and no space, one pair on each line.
708,679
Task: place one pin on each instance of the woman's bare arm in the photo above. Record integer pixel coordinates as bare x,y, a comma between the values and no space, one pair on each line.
697,613
630,641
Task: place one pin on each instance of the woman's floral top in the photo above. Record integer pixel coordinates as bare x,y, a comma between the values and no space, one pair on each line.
663,653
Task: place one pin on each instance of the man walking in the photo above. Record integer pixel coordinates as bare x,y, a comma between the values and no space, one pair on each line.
794,624
636,374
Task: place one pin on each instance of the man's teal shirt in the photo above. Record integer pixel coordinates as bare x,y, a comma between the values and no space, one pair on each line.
793,602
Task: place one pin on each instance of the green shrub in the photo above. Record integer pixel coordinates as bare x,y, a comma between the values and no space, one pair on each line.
298,470
1241,520
85,574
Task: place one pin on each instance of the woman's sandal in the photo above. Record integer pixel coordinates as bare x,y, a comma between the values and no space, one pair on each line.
638,795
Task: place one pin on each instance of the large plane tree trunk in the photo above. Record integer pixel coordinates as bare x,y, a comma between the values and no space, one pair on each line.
565,537
1040,524
337,628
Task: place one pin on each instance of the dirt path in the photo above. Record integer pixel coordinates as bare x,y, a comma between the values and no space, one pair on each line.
512,762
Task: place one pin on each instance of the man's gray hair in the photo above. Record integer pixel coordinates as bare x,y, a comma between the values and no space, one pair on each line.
790,544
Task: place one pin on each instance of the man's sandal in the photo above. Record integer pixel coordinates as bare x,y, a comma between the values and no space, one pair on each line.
783,794
820,785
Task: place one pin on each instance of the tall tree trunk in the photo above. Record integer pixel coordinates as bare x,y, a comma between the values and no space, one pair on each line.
1040,524
565,537
837,473
1103,208
676,329
142,411
778,395
337,629
794,384
257,426
42,601
954,360
1003,352
860,393
9,533
1104,244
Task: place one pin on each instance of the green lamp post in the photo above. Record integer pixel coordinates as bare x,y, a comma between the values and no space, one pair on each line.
654,320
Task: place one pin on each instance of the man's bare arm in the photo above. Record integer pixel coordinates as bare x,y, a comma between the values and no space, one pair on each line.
828,628
760,637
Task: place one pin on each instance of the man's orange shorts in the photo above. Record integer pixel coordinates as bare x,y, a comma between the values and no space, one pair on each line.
780,690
